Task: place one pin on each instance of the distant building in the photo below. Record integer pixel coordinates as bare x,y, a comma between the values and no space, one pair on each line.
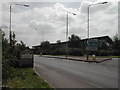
103,42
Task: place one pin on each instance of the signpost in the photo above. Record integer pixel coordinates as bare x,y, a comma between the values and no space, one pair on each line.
92,45
26,60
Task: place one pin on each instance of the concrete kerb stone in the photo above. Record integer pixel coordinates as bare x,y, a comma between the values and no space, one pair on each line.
44,80
76,59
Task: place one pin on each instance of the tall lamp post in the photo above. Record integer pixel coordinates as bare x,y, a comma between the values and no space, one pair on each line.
67,31
88,23
10,36
42,34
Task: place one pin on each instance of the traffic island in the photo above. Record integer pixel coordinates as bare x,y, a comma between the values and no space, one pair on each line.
96,60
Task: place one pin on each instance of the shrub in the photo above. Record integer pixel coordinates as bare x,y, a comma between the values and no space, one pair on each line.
76,52
109,53
58,51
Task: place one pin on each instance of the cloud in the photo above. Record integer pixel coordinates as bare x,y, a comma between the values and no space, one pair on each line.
45,26
52,21
102,18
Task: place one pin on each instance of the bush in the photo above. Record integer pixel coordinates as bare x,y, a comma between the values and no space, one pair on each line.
70,51
104,53
116,53
46,51
76,52
59,51
109,53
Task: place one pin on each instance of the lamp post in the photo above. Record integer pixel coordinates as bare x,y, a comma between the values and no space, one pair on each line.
10,37
42,34
67,30
88,23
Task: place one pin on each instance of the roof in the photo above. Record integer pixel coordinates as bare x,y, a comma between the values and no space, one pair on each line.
106,38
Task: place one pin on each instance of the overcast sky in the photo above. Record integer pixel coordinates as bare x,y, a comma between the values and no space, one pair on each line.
47,20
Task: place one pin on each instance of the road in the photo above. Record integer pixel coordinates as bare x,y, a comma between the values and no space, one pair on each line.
62,73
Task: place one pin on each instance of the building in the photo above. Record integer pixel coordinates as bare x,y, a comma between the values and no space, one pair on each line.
94,44
101,41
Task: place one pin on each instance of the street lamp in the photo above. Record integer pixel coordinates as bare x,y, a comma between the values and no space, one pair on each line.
42,34
41,41
88,21
26,5
67,30
10,37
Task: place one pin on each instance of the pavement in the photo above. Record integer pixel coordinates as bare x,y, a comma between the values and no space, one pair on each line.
62,73
97,60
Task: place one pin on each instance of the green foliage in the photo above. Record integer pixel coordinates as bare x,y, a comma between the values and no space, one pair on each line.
109,52
106,53
37,50
116,44
21,46
74,41
25,78
12,76
58,41
13,39
104,46
58,51
45,45
76,52
75,47
10,56
70,51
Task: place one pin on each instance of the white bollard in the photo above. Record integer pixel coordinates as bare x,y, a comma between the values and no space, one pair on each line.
93,57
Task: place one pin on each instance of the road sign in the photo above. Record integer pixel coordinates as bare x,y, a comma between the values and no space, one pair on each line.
26,60
92,42
92,45
27,56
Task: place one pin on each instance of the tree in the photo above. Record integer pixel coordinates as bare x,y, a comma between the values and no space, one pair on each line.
13,39
58,44
116,44
58,41
104,46
8,59
10,55
5,47
75,41
45,45
21,46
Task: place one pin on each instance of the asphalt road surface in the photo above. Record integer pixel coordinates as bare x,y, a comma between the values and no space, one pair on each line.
62,73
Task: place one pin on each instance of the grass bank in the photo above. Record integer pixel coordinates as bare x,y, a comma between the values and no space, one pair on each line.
26,78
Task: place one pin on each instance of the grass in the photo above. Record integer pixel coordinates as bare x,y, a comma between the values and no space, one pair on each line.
26,78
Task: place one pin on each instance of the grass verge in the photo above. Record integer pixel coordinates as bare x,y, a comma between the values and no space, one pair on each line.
26,78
